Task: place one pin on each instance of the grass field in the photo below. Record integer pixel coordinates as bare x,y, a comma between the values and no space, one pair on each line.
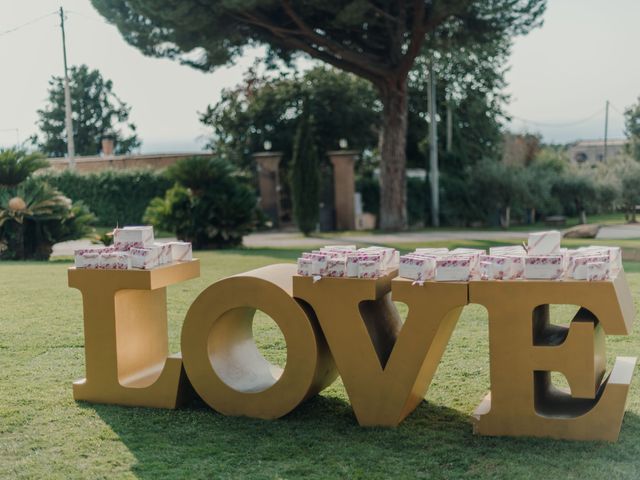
45,434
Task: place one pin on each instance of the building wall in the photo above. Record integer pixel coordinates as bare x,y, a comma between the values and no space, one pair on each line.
592,152
121,162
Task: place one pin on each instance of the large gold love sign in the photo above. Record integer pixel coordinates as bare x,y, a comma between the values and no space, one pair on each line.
350,327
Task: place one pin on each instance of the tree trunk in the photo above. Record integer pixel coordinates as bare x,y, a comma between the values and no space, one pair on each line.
583,217
507,217
393,142
19,239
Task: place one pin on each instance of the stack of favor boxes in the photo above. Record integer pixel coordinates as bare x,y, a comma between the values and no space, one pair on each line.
441,264
541,258
347,261
133,247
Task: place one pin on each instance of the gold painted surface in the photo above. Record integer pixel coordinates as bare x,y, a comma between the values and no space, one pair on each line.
126,341
386,366
222,361
525,347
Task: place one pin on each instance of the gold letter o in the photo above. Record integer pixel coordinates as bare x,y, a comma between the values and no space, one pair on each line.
222,360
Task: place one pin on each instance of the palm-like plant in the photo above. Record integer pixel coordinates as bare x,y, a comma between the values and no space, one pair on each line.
16,165
34,215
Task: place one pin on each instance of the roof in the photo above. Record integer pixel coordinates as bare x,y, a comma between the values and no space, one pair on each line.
600,143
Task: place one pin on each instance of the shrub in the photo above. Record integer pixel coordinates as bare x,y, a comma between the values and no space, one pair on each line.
575,192
630,192
116,197
305,178
209,205
34,215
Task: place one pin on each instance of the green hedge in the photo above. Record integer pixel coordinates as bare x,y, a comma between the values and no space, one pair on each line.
116,197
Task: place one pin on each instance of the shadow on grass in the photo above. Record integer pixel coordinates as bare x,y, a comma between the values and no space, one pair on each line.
321,439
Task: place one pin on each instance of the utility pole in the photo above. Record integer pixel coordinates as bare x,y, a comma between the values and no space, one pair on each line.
433,150
449,125
71,148
606,130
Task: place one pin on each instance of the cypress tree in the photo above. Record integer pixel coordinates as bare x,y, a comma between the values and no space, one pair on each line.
305,176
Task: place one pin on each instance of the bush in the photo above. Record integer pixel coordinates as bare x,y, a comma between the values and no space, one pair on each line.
576,193
209,205
34,215
116,197
457,205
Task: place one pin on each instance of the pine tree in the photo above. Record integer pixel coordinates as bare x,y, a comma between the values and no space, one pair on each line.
375,40
305,176
97,111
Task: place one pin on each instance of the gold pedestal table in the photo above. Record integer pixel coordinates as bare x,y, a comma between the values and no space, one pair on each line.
126,339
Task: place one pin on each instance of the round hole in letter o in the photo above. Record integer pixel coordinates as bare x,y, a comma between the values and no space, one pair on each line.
221,358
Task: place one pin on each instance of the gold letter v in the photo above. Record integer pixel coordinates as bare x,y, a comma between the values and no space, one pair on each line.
386,366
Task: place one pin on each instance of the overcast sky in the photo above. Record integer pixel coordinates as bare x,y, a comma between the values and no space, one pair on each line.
560,76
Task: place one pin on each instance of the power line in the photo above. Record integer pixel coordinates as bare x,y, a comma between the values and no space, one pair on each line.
561,124
617,109
30,22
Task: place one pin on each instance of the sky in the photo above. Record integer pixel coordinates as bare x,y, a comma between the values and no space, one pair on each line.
560,76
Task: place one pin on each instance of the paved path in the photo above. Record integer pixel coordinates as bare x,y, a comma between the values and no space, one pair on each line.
265,239
294,239
618,232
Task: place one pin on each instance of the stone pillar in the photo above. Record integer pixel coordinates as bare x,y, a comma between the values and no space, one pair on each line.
108,146
269,184
344,187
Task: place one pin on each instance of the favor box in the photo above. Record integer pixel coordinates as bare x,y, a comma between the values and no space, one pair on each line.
579,265
318,263
132,237
181,251
453,269
352,266
336,267
368,268
543,267
115,261
304,267
165,253
508,250
432,251
417,268
544,243
87,259
499,268
145,258
598,271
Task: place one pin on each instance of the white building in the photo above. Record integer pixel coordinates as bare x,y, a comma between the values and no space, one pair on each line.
591,152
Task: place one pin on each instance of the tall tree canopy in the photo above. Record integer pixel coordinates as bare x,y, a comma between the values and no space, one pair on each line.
263,108
96,111
632,128
375,39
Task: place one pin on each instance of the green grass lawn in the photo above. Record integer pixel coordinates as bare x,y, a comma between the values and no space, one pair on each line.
45,434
